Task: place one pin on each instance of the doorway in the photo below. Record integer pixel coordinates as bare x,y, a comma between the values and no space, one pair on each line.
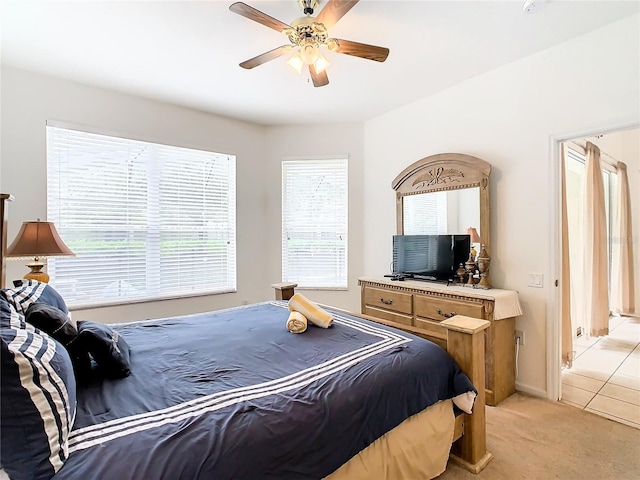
604,376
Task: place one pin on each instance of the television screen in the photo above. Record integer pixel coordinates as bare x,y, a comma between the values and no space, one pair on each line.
429,257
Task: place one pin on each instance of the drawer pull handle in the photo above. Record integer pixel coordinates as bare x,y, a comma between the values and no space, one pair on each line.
446,315
386,302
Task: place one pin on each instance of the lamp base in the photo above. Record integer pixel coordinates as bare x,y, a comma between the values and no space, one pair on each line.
36,272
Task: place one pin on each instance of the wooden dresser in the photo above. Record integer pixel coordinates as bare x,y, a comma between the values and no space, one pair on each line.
421,306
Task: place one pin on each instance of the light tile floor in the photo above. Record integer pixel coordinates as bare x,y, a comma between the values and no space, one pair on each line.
605,375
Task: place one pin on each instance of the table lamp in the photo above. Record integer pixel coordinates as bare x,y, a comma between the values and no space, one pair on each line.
475,238
38,239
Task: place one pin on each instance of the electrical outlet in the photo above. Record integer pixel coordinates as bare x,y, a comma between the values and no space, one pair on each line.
520,335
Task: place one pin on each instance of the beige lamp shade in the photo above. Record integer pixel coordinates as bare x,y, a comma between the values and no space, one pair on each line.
475,238
38,239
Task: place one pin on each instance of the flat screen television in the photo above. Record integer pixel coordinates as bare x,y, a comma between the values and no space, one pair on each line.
429,257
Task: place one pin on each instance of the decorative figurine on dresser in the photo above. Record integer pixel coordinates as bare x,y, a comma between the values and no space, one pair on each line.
475,272
483,262
452,187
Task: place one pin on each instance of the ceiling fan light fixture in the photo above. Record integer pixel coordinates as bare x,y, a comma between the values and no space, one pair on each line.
321,64
309,53
296,62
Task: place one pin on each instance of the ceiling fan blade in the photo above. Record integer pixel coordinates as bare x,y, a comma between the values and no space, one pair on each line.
370,52
319,79
333,11
265,57
257,16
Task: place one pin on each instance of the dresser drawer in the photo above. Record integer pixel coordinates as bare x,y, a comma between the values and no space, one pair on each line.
431,328
440,308
388,300
388,315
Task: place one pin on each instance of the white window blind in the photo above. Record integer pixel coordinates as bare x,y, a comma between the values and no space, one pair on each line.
425,214
314,222
145,220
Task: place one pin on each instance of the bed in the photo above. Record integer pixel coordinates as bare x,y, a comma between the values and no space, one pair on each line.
234,394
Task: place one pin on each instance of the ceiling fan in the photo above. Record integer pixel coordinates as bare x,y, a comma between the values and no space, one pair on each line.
307,35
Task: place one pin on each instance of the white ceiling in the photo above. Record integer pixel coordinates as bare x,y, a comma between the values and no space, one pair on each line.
187,52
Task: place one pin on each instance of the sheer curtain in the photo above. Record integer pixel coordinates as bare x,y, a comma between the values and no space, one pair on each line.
596,259
622,274
567,328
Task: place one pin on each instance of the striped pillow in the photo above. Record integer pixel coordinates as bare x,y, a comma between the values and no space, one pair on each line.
32,291
38,401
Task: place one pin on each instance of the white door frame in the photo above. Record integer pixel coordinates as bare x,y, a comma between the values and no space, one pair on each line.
554,297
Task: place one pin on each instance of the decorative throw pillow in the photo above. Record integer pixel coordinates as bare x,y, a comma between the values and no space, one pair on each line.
81,360
38,401
30,291
57,324
51,320
107,347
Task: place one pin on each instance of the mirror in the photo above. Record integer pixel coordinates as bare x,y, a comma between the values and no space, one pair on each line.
444,194
444,212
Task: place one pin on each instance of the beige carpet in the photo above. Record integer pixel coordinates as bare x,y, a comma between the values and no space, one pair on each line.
536,439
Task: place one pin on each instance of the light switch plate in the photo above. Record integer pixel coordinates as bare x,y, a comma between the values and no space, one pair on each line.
535,280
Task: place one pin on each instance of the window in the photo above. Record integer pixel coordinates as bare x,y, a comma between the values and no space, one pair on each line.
425,214
146,221
314,223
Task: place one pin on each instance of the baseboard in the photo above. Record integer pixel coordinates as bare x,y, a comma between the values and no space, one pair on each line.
536,392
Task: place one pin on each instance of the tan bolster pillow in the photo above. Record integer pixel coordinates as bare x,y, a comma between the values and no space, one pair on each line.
297,323
314,313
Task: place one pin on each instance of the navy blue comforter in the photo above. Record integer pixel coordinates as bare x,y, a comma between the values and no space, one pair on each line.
234,395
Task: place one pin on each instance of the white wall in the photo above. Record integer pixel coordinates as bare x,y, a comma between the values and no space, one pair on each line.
510,118
29,100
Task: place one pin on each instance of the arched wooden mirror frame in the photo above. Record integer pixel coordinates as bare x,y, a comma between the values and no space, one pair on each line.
441,172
